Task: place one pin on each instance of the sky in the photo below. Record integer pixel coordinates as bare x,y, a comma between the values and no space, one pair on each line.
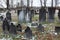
36,3
3,3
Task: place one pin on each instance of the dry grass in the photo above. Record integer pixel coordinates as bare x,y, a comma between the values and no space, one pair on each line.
39,36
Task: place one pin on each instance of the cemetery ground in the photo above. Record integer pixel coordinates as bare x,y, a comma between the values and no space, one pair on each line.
48,34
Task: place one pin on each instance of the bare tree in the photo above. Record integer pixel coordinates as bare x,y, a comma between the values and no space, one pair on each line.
52,3
55,3
2,3
11,3
41,2
21,3
7,4
27,3
45,3
31,3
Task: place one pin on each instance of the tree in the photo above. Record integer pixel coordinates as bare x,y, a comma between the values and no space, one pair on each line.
42,12
3,3
7,4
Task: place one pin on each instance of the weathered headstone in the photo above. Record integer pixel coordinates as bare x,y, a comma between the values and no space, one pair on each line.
40,28
5,25
21,16
25,15
51,12
42,14
28,33
1,18
19,27
57,29
12,29
59,14
8,16
32,15
34,24
28,16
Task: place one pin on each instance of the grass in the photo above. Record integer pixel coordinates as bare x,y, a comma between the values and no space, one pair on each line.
49,27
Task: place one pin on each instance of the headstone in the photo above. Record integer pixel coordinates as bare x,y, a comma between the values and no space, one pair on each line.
8,16
34,24
59,14
40,28
25,16
28,33
5,25
12,29
1,18
57,29
19,27
21,16
32,15
42,14
51,12
28,16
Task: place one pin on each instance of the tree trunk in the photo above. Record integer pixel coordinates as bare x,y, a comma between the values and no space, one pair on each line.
7,4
